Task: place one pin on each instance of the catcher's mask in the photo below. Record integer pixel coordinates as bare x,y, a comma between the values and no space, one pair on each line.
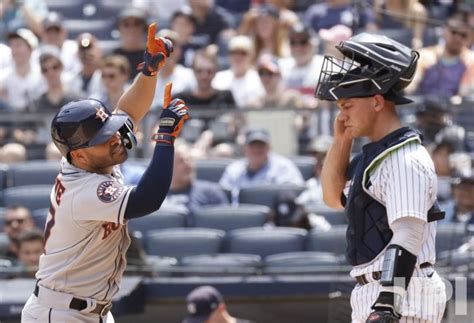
371,64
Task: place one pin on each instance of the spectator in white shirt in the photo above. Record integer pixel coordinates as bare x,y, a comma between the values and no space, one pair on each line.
21,83
241,79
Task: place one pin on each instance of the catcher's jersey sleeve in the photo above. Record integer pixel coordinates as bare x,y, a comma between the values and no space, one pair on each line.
105,199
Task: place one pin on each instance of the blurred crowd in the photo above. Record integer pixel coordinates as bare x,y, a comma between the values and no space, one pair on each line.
231,58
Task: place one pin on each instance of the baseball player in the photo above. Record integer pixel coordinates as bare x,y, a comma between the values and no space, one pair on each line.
86,235
388,190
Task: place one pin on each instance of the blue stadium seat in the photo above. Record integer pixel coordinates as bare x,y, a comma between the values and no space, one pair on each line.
40,216
211,169
333,240
33,172
100,28
180,242
266,194
305,164
225,217
266,241
301,262
450,236
69,9
3,177
31,196
161,219
334,217
222,264
4,243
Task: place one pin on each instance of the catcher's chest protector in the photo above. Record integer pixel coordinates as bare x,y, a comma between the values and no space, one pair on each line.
368,232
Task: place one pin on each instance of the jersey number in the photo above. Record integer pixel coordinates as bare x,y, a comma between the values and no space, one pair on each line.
58,192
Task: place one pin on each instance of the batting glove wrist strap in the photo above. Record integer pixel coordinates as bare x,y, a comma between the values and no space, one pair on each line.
163,139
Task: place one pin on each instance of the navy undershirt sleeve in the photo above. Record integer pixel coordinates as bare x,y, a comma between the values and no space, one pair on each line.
154,184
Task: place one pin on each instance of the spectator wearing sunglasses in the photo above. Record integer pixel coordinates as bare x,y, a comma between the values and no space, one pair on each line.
446,69
57,94
17,219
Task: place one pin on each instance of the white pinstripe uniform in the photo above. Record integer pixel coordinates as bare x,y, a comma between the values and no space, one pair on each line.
405,183
86,239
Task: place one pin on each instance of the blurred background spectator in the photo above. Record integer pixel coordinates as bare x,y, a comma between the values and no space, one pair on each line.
259,165
30,248
16,14
21,83
17,220
57,94
241,78
132,26
12,153
184,23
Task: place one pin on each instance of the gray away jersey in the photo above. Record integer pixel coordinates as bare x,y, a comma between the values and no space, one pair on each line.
86,234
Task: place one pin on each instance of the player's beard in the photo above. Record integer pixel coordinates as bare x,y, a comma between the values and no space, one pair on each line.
118,153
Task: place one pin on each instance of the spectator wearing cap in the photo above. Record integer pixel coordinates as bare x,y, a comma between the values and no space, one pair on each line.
12,153
21,83
241,78
15,14
206,305
204,96
57,94
184,23
276,95
115,70
270,35
444,68
334,12
301,70
181,77
55,35
259,165
188,193
132,24
88,80
332,37
214,24
434,120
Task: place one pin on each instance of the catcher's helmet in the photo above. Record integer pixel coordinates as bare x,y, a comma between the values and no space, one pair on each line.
87,123
372,64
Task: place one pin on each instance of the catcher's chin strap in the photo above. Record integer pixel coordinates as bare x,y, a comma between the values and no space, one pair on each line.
397,270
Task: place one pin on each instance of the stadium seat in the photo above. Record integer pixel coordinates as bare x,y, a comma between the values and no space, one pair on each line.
69,9
31,196
225,217
450,236
230,263
265,241
180,242
334,217
3,177
301,262
305,164
33,173
40,216
161,219
266,194
100,28
211,169
333,240
4,243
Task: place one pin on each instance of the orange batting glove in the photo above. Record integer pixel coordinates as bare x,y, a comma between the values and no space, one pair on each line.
157,50
172,118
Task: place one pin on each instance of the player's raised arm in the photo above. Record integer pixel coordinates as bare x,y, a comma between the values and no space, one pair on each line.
136,101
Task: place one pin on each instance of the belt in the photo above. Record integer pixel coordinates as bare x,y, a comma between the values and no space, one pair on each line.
80,304
362,279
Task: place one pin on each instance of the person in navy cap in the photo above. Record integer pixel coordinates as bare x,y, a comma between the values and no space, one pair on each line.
206,305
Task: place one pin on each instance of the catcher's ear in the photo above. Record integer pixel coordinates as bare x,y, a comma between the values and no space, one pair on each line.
379,102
